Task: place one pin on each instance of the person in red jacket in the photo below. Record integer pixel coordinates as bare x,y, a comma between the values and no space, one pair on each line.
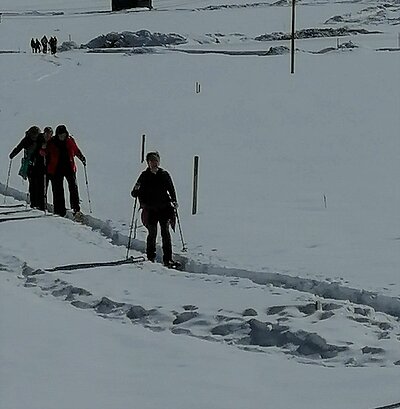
61,151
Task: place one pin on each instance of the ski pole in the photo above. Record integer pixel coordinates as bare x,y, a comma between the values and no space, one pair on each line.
184,248
87,189
8,180
131,228
135,229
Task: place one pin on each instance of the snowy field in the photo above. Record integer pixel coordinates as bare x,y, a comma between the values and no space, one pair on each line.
290,296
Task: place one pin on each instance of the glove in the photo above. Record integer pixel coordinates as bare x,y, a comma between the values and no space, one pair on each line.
83,160
135,190
11,156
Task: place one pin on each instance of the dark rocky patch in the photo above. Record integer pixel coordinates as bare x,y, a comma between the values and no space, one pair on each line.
185,316
276,309
226,329
137,312
268,334
314,33
307,309
326,315
69,291
180,331
249,312
141,38
81,305
190,307
106,306
372,350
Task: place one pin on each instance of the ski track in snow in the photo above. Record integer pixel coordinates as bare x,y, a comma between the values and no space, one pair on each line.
279,326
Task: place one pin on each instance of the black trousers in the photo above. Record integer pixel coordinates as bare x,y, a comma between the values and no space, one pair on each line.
57,184
161,216
37,191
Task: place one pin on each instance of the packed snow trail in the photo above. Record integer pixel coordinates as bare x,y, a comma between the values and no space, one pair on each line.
325,289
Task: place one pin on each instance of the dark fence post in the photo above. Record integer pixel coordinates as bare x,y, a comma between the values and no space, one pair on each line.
195,183
293,36
143,146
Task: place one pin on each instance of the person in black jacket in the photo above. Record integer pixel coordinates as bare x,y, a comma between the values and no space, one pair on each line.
31,144
39,171
156,193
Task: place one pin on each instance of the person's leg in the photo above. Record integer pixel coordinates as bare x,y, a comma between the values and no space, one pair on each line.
151,225
73,192
57,184
166,236
39,190
32,190
151,241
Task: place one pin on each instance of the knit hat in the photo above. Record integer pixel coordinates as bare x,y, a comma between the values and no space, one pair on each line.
153,156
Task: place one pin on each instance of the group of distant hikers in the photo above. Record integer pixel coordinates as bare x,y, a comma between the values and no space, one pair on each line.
44,45
51,157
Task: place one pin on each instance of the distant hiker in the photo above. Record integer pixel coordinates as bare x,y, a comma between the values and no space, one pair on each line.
61,151
53,45
30,145
156,193
44,42
38,46
33,45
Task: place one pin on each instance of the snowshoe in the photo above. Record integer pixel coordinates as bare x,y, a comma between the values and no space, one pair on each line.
175,265
79,217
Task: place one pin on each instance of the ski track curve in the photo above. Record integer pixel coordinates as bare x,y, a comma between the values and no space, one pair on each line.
331,290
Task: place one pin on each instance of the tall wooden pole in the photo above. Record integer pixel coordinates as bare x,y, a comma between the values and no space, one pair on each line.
143,147
292,38
195,183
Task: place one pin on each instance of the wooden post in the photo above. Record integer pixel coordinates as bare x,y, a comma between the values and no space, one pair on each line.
292,38
325,202
143,147
195,183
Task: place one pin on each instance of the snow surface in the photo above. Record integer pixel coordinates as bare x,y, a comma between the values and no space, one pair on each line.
284,300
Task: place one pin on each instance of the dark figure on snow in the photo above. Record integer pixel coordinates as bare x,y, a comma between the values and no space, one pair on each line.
31,167
156,193
42,176
38,46
33,45
44,42
53,45
61,151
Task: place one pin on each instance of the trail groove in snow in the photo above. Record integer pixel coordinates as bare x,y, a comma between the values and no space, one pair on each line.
332,290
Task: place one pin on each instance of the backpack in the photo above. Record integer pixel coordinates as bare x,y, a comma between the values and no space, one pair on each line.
23,170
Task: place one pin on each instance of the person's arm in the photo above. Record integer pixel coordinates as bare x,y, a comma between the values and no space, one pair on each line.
137,187
78,153
17,149
171,189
